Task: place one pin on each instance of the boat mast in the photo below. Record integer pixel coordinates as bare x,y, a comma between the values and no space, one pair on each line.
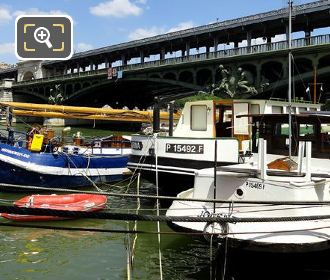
290,86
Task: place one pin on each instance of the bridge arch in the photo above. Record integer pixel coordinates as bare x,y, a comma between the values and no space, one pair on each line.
84,91
38,96
186,76
28,76
170,76
77,87
250,71
157,76
324,61
204,77
303,65
272,71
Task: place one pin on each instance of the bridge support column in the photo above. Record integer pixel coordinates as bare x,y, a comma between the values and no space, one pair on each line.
142,56
287,33
248,40
236,47
207,51
106,63
65,71
91,66
78,68
187,48
194,78
162,54
216,43
258,80
308,37
214,71
269,42
123,60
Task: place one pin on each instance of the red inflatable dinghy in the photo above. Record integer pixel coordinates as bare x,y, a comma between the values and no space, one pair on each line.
70,202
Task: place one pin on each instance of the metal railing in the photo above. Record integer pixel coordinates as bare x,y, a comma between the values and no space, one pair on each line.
227,53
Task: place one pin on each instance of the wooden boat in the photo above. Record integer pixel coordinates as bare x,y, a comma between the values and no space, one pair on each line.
69,202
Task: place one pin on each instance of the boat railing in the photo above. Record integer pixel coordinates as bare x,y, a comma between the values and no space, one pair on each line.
20,139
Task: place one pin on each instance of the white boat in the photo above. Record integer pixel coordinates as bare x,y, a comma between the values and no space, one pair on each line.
191,147
260,196
270,203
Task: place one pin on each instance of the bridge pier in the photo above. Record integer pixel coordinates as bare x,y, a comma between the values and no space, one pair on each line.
123,60
142,56
248,40
308,37
187,48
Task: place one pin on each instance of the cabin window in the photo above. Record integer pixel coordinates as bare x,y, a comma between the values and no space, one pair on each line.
255,109
281,129
198,117
302,109
277,109
306,129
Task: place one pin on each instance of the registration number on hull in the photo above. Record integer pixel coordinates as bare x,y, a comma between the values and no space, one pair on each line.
184,148
255,185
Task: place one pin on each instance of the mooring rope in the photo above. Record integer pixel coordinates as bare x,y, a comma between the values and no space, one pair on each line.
154,218
172,198
157,207
119,231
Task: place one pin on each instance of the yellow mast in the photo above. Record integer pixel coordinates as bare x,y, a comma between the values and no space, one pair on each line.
60,111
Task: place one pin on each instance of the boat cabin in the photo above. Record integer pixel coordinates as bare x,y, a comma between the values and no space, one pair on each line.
308,126
219,118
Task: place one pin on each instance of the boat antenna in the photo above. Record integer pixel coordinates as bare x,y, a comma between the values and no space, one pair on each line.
290,82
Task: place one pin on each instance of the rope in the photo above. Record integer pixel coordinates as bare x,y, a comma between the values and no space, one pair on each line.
137,212
126,195
154,218
182,233
157,205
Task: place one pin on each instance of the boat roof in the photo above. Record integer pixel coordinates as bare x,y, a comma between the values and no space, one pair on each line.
314,115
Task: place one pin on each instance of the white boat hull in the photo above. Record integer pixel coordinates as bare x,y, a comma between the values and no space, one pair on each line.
288,236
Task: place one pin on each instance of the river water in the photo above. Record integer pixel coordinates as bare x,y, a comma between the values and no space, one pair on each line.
30,253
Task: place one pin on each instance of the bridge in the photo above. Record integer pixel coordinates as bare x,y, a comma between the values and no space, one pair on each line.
187,60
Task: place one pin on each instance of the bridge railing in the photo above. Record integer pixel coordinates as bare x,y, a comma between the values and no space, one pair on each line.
66,76
246,50
262,48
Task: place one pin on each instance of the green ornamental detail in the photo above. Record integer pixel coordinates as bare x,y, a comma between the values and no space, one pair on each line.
56,95
234,84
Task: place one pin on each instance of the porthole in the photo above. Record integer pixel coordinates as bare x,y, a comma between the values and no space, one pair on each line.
239,193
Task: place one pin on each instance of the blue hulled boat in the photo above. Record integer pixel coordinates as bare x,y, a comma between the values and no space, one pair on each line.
56,169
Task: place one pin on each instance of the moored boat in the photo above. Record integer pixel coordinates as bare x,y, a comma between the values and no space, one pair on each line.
42,162
68,202
19,166
191,147
280,210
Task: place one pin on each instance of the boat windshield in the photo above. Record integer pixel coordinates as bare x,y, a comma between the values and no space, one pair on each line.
275,129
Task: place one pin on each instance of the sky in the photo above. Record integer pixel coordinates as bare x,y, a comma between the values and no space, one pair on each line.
99,23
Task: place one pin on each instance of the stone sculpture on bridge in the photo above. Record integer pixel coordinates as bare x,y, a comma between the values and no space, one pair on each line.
233,84
56,95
